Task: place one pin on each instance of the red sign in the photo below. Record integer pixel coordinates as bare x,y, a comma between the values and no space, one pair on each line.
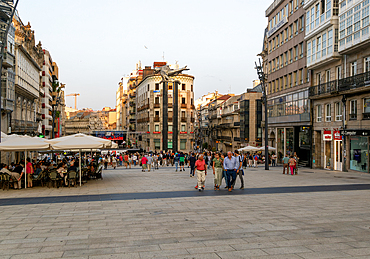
337,135
170,132
191,132
327,135
183,132
148,132
156,132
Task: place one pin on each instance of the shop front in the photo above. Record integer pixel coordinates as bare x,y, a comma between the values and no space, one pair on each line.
359,149
327,138
338,151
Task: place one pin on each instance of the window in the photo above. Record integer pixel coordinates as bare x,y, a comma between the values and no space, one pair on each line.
156,113
308,52
296,28
323,52
291,31
282,37
183,100
353,110
366,114
156,100
366,64
286,34
290,55
328,112
330,41
301,50
318,49
183,87
156,86
353,71
277,40
301,23
338,111
157,143
156,127
307,21
327,75
183,128
286,58
312,18
319,113
338,74
170,146
313,50
182,144
296,53
301,76
170,128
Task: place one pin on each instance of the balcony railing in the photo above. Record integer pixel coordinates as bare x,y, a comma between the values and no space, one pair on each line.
156,105
237,124
344,84
156,119
183,105
236,139
183,119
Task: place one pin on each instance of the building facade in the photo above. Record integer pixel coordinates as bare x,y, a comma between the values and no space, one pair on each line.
340,93
149,116
284,61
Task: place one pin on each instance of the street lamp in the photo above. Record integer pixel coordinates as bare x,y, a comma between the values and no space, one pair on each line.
262,78
7,10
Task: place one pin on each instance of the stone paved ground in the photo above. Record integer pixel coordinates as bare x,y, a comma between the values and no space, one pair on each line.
281,224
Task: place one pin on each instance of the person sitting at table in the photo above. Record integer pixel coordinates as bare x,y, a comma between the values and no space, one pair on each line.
62,172
16,177
72,166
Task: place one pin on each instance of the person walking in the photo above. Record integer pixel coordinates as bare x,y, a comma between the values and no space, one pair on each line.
231,166
240,160
150,161
255,159
114,162
286,164
29,172
217,170
182,161
201,167
292,164
296,163
192,161
144,161
273,159
126,160
176,159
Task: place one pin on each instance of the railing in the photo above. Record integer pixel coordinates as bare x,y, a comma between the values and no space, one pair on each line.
142,120
225,138
236,139
156,119
366,116
237,124
156,105
183,119
23,126
225,125
353,116
183,105
344,84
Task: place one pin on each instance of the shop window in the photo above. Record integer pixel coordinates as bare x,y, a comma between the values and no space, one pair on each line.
366,114
338,111
328,112
359,154
182,144
157,143
353,110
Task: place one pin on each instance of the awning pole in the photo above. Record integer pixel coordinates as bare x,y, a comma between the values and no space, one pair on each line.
80,165
25,169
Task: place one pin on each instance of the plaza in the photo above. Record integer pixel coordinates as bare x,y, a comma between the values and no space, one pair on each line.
159,214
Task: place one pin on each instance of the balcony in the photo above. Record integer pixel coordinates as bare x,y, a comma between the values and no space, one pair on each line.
345,84
353,116
156,105
192,120
8,61
183,119
226,138
236,139
225,125
183,105
24,126
156,119
7,104
237,124
143,120
132,120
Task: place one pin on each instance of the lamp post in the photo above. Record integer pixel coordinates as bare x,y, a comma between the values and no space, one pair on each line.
262,78
7,10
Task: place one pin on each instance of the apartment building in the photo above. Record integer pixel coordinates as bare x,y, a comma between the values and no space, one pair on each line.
149,104
284,60
340,93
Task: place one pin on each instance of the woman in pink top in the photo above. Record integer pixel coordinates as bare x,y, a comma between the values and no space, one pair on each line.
200,166
29,172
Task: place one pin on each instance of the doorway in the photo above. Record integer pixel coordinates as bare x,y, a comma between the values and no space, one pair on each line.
338,149
327,153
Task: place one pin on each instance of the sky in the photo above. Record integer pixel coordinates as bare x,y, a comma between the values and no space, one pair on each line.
95,43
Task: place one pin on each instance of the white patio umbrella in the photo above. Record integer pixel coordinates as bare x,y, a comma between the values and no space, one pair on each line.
248,148
79,142
23,143
107,143
269,148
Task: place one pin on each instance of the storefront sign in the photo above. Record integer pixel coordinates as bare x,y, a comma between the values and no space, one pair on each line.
277,26
355,132
337,135
327,135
